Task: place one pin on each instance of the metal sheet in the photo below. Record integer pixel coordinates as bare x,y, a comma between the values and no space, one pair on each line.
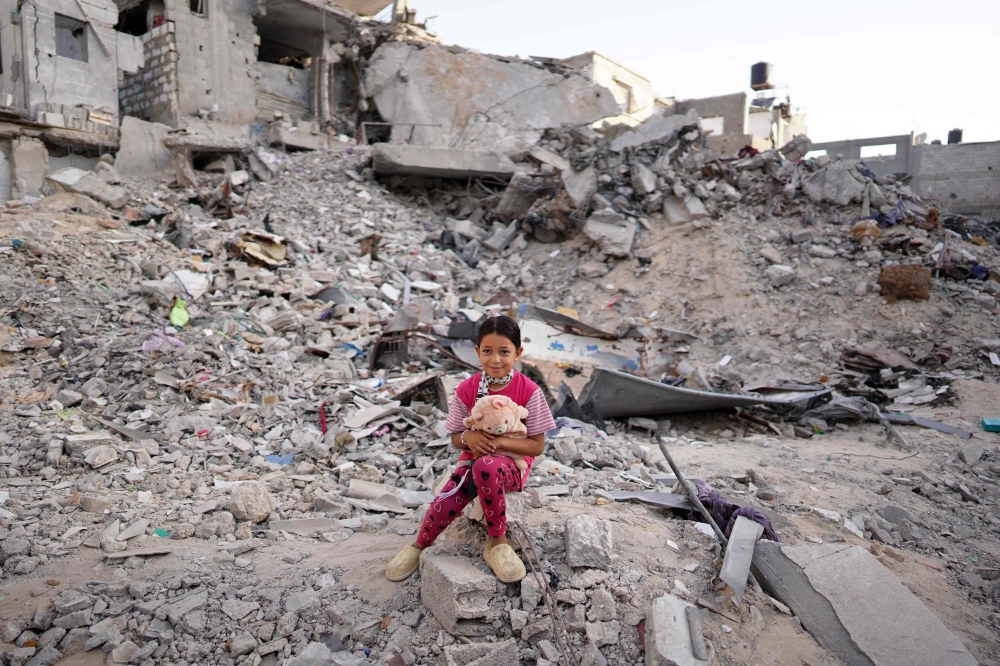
562,321
617,394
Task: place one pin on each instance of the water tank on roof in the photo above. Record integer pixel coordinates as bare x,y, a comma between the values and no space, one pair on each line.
760,76
955,136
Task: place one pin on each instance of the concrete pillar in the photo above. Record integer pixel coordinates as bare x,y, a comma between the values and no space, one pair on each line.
29,166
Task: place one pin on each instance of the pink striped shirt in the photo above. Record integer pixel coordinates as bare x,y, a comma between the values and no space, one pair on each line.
521,390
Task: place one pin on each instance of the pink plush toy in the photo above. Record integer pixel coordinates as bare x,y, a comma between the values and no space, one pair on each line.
499,415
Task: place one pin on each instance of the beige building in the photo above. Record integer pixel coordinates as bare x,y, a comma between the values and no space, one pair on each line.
632,91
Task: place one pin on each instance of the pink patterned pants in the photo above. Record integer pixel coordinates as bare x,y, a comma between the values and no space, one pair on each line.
493,476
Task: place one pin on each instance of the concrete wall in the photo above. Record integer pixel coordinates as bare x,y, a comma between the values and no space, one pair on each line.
10,40
965,177
962,178
735,112
216,59
58,80
5,171
151,93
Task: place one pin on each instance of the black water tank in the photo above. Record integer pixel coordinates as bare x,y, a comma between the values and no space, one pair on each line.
955,136
760,76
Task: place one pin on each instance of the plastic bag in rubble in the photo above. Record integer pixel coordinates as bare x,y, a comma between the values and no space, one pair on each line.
158,340
845,409
179,316
579,426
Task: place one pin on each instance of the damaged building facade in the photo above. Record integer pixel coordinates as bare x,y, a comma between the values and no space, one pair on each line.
59,96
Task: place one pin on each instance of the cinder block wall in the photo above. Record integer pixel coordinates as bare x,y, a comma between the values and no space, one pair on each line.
965,177
151,93
216,60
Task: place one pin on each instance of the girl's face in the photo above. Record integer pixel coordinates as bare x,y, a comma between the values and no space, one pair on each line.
497,355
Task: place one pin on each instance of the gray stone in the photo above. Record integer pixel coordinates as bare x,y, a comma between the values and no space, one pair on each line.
457,593
537,631
12,546
588,542
516,199
822,251
603,633
237,610
287,623
243,643
144,652
668,635
531,592
94,387
74,640
780,274
11,629
318,654
695,207
51,637
194,623
333,507
220,524
502,236
95,504
894,514
430,162
46,656
124,652
643,180
518,619
306,526
674,210
482,654
178,609
88,183
75,619
251,501
18,656
602,606
801,235
301,602
69,398
581,186
970,455
772,255
612,232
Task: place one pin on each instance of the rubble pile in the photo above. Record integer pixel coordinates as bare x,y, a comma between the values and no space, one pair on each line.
208,383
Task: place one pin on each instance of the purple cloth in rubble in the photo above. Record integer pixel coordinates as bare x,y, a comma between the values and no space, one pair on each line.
725,513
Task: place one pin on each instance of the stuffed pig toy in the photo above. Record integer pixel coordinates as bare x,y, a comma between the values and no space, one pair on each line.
499,415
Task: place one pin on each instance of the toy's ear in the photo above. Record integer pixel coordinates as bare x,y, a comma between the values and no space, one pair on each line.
468,421
498,402
522,412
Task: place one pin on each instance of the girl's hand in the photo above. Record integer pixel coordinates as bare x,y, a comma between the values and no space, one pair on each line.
479,443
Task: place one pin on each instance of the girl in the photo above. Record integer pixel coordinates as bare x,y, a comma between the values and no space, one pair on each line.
479,472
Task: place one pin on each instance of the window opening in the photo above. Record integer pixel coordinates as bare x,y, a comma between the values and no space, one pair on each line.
71,38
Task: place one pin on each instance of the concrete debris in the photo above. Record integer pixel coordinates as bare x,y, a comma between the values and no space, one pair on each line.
226,365
414,88
437,162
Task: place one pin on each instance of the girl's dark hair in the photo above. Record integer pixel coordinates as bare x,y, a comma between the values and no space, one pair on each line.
501,325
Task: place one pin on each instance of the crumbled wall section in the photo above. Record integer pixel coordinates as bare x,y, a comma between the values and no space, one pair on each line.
151,93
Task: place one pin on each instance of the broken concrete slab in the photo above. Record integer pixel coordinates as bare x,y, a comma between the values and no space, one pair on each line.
580,185
674,211
654,129
295,138
457,593
517,198
668,634
503,235
408,160
142,152
71,179
415,87
482,654
855,606
739,554
612,232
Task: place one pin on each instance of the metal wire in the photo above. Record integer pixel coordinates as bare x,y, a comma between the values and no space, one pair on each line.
557,624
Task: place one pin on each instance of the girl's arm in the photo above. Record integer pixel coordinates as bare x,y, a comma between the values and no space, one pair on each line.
530,446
